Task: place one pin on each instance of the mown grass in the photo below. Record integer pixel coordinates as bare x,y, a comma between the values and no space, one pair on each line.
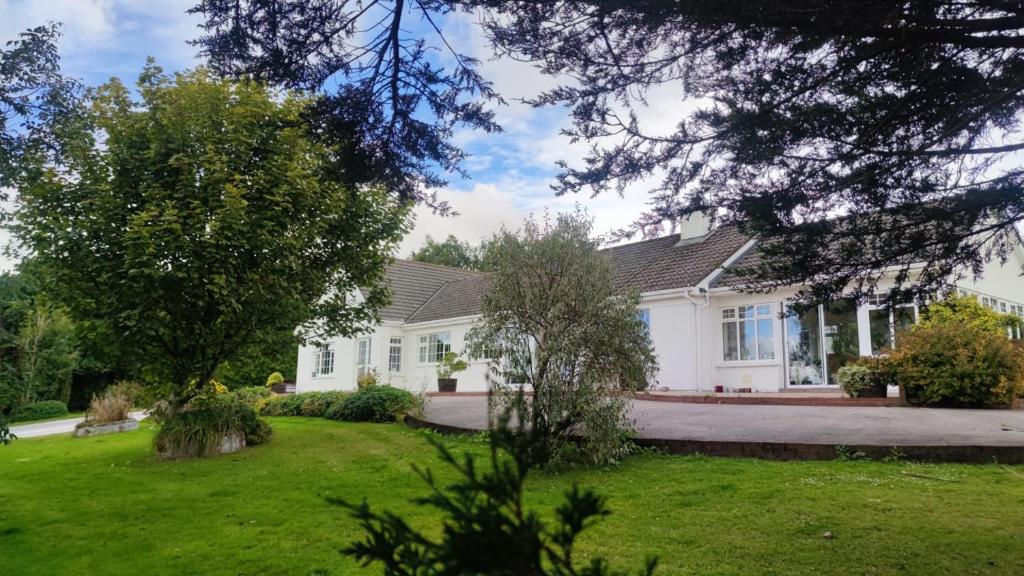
105,505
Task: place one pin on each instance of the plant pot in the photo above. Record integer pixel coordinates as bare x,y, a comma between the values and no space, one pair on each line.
446,384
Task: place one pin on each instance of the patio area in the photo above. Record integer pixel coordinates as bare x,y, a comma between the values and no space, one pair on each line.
795,432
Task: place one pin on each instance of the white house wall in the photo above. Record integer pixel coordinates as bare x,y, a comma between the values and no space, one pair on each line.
1001,280
686,331
674,336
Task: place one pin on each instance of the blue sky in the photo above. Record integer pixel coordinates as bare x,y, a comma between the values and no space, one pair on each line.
510,172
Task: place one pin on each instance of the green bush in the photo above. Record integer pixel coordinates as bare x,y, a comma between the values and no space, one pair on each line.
864,377
282,405
305,404
319,403
198,428
958,362
254,396
40,411
274,379
374,404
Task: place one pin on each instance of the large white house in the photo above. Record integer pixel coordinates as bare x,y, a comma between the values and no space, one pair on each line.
705,331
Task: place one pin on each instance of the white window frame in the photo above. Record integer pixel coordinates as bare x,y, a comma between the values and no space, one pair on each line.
364,362
323,358
395,354
429,351
878,302
757,314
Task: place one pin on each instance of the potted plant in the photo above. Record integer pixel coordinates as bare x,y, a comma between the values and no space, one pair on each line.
450,364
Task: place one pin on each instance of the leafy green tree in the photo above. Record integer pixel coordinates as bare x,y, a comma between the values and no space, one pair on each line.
200,216
553,322
271,353
35,100
452,252
47,354
487,528
387,99
904,115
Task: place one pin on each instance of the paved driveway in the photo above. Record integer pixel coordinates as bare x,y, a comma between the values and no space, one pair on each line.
51,427
826,425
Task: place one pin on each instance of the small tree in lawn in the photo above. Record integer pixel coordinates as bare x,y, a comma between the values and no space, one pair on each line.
553,321
199,217
487,528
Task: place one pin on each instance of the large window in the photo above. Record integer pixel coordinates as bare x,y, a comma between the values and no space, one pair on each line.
363,357
888,323
433,347
748,333
395,355
323,361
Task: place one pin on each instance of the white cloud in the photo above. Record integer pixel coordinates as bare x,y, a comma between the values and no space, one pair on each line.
481,212
85,21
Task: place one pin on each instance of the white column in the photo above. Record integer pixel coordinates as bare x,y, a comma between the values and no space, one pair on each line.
864,330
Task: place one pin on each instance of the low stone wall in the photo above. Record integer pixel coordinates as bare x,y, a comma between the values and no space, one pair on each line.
86,430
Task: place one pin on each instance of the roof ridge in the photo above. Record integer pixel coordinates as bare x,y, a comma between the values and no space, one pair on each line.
711,232
442,266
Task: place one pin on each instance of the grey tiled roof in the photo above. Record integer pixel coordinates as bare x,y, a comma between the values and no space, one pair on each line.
454,300
663,263
425,292
413,283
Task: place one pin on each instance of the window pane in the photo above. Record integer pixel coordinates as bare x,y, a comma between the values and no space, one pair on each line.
728,313
748,340
746,311
903,320
729,341
764,310
878,322
803,345
765,339
645,316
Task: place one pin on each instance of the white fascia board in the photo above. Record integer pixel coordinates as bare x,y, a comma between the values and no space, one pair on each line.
706,282
442,322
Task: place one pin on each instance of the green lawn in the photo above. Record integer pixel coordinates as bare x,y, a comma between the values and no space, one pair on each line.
106,506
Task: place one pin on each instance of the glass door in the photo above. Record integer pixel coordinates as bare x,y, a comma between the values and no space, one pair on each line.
841,336
803,349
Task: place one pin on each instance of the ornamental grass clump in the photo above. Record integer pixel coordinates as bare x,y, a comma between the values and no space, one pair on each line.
107,408
209,425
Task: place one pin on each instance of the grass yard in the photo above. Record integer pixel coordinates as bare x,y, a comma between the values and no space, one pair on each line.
106,506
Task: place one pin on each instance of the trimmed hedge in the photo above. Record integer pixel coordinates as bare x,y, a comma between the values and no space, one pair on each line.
304,404
370,404
374,404
40,411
